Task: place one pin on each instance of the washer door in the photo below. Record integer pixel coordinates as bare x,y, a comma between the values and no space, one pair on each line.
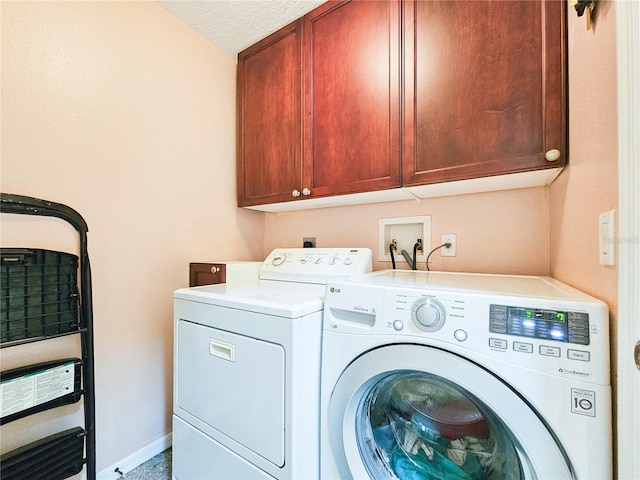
415,412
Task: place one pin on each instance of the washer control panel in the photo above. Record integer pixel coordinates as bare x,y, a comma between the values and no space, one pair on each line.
545,324
560,331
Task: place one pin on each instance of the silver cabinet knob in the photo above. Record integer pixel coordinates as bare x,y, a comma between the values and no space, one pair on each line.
552,155
296,193
306,192
215,269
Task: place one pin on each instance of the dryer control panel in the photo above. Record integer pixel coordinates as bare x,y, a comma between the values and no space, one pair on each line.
315,265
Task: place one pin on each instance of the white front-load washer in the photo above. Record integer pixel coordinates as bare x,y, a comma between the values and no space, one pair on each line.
430,375
247,369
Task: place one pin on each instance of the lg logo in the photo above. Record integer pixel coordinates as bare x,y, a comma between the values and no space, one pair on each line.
334,290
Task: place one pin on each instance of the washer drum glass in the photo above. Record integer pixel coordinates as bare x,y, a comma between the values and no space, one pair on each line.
413,425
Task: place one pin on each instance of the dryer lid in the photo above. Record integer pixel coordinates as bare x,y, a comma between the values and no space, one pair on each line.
291,282
283,299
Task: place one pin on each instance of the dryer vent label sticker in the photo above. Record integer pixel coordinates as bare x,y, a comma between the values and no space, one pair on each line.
583,402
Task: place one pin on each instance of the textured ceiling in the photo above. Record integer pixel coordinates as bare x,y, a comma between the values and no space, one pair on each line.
233,25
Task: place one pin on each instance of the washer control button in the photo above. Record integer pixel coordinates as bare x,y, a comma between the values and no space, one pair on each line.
578,355
548,351
460,335
398,325
523,347
498,343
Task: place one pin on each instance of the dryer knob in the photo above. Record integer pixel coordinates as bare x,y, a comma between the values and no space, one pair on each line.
278,260
428,314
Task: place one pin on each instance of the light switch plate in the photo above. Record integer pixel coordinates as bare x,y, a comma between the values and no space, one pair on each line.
607,234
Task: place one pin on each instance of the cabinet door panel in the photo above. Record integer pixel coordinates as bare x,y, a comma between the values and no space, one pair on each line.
352,97
269,118
207,274
482,97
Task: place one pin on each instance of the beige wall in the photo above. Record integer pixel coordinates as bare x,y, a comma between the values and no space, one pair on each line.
122,112
589,185
492,233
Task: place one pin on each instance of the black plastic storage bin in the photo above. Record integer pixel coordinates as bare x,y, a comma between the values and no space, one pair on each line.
39,294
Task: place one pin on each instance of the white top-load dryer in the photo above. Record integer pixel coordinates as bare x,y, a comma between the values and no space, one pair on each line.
246,368
464,376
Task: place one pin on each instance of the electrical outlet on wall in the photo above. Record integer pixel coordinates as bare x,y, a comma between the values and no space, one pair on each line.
449,251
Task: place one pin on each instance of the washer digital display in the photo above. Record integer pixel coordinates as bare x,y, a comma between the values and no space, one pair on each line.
556,325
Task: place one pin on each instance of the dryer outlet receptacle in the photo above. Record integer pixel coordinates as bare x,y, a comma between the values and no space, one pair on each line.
451,250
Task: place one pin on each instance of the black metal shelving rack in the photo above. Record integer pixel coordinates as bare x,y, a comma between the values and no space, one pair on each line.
63,454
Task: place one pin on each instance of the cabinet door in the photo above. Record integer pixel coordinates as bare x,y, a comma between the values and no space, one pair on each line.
352,102
484,88
207,274
269,118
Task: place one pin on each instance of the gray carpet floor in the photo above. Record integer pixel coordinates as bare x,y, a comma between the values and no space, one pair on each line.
156,468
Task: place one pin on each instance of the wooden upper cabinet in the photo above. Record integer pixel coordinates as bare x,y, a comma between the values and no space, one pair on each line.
352,97
368,96
269,116
484,88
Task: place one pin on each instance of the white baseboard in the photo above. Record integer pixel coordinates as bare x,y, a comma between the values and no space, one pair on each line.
135,459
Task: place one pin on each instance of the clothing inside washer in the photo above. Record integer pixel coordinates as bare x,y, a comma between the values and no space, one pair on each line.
412,425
